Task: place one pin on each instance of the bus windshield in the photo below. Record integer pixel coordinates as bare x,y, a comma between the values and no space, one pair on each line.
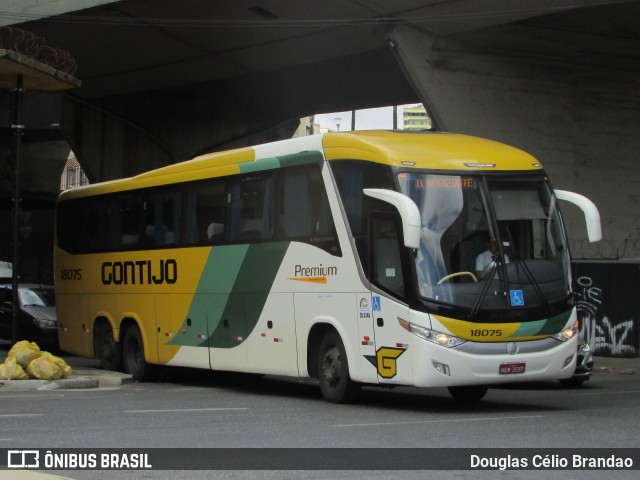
488,242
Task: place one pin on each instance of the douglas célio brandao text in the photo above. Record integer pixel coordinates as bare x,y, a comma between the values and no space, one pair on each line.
550,461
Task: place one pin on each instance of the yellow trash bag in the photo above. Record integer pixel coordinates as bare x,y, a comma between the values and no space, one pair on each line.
62,365
24,352
11,370
44,368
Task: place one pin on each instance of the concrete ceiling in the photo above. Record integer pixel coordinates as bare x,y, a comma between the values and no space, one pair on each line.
131,46
202,75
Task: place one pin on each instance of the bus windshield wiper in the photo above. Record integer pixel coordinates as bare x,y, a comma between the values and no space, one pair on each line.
497,260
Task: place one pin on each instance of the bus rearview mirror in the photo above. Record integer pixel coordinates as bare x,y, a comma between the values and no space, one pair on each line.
591,214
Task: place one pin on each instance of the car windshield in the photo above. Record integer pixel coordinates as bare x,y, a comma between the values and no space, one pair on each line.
37,297
488,242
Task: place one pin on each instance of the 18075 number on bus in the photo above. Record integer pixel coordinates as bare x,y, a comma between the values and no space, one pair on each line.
71,274
486,333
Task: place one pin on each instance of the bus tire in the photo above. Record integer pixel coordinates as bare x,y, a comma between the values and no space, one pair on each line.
571,382
133,356
106,349
468,394
333,371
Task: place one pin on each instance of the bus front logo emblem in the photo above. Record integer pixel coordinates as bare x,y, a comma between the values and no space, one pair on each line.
385,361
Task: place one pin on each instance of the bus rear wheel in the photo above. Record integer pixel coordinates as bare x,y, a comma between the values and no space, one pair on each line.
468,394
133,356
333,371
106,349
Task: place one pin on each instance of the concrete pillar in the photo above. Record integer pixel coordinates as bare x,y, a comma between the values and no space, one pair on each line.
573,106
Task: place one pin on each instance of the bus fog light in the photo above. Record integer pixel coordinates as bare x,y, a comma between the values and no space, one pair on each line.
567,361
441,367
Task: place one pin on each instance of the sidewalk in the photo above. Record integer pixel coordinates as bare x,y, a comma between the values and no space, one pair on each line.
79,378
622,366
86,374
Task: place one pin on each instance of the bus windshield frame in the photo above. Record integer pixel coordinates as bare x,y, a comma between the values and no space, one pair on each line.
491,245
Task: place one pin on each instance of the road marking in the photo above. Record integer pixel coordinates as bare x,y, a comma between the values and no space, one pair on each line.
481,419
615,392
8,415
185,410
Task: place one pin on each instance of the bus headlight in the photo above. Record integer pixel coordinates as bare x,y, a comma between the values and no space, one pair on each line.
433,336
567,333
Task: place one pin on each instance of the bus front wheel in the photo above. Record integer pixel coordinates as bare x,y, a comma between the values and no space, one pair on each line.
133,356
469,394
333,371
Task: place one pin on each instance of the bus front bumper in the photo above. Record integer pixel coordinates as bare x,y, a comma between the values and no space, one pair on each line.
483,364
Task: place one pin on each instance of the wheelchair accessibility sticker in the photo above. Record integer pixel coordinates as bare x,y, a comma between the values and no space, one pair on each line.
517,298
376,303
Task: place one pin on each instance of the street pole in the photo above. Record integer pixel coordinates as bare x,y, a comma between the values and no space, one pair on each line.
17,127
20,72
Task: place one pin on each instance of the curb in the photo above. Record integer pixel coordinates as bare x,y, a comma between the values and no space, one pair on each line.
78,380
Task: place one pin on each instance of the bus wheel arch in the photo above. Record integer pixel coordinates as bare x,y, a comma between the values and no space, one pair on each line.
332,369
314,339
105,347
133,352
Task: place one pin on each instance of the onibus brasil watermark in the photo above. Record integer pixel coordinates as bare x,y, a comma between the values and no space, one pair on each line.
76,460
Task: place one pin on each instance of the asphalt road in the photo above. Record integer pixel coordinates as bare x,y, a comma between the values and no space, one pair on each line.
195,409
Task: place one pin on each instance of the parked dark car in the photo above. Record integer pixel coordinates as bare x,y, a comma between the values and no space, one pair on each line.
584,367
37,321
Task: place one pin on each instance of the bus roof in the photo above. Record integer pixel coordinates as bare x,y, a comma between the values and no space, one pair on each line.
423,150
428,150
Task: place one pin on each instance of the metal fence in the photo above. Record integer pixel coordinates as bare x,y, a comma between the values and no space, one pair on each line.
627,249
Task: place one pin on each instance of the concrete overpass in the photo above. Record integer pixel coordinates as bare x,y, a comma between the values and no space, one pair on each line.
164,81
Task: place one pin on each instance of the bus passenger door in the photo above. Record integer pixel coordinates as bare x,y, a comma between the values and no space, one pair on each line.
389,279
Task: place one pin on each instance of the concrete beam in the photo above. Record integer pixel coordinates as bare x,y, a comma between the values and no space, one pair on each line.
20,11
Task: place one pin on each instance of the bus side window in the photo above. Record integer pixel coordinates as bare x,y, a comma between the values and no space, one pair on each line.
352,176
386,254
295,203
304,214
124,222
205,207
161,217
251,209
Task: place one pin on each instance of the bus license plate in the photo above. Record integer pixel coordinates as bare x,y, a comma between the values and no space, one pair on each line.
511,368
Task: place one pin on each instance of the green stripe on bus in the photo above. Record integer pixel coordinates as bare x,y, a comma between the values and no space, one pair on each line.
548,326
555,324
250,293
259,165
303,158
211,296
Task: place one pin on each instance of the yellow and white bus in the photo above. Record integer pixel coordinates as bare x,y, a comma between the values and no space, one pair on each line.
348,257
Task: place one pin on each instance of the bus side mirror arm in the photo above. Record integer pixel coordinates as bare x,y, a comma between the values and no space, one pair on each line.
591,214
408,210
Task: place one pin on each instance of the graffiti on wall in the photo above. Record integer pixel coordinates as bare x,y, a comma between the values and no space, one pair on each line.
606,337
